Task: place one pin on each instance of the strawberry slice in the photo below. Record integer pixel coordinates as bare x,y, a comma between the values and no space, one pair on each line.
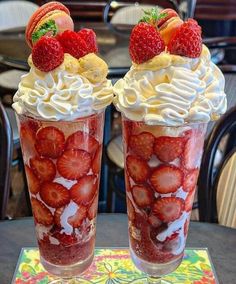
186,226
130,210
76,220
143,195
84,190
193,148
189,201
168,209
96,163
92,211
42,214
168,149
33,181
137,168
28,140
83,141
44,169
54,194
166,179
154,221
142,145
190,180
64,239
73,164
57,216
50,142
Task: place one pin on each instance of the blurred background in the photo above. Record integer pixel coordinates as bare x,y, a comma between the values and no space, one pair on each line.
112,22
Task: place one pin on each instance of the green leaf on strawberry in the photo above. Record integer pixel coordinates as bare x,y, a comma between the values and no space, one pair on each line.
152,16
48,27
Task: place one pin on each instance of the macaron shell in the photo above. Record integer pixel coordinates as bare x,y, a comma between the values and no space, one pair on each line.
39,14
63,21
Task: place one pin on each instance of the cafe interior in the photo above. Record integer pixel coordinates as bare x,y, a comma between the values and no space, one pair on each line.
213,215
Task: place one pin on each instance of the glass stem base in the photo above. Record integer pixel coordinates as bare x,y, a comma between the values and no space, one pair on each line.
67,271
157,280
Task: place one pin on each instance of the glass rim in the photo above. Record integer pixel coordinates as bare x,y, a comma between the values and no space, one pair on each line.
164,125
91,116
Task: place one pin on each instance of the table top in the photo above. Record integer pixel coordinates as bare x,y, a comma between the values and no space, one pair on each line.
112,232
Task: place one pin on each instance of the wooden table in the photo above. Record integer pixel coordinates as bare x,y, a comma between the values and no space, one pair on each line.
112,232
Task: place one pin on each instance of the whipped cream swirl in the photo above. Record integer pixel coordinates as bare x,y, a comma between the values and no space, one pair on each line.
60,95
172,90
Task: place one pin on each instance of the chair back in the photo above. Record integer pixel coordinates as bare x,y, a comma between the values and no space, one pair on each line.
209,174
5,160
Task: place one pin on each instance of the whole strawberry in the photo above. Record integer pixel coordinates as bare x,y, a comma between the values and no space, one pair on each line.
89,37
47,54
145,43
187,40
73,44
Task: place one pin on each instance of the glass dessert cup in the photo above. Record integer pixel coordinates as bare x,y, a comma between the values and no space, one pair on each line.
62,162
161,171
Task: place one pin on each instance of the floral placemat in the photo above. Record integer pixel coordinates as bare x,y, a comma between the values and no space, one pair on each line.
114,266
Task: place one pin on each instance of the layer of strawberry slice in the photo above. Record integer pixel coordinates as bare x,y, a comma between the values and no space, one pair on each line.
166,179
130,210
76,220
190,180
84,190
168,209
137,168
168,149
42,214
154,221
83,141
143,195
44,169
92,211
73,164
50,142
57,216
65,239
189,201
193,148
33,181
28,140
54,194
142,145
96,163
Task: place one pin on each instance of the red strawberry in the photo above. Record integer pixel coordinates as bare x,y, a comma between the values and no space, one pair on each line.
145,43
166,179
42,214
167,148
89,37
166,15
143,195
33,181
50,142
172,237
73,164
96,163
73,44
168,209
84,190
44,169
76,220
130,210
189,201
190,180
137,168
142,145
92,211
47,54
54,194
27,137
154,221
66,240
187,40
83,141
57,216
193,149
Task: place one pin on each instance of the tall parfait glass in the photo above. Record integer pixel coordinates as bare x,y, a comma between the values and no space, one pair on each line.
161,171
62,162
